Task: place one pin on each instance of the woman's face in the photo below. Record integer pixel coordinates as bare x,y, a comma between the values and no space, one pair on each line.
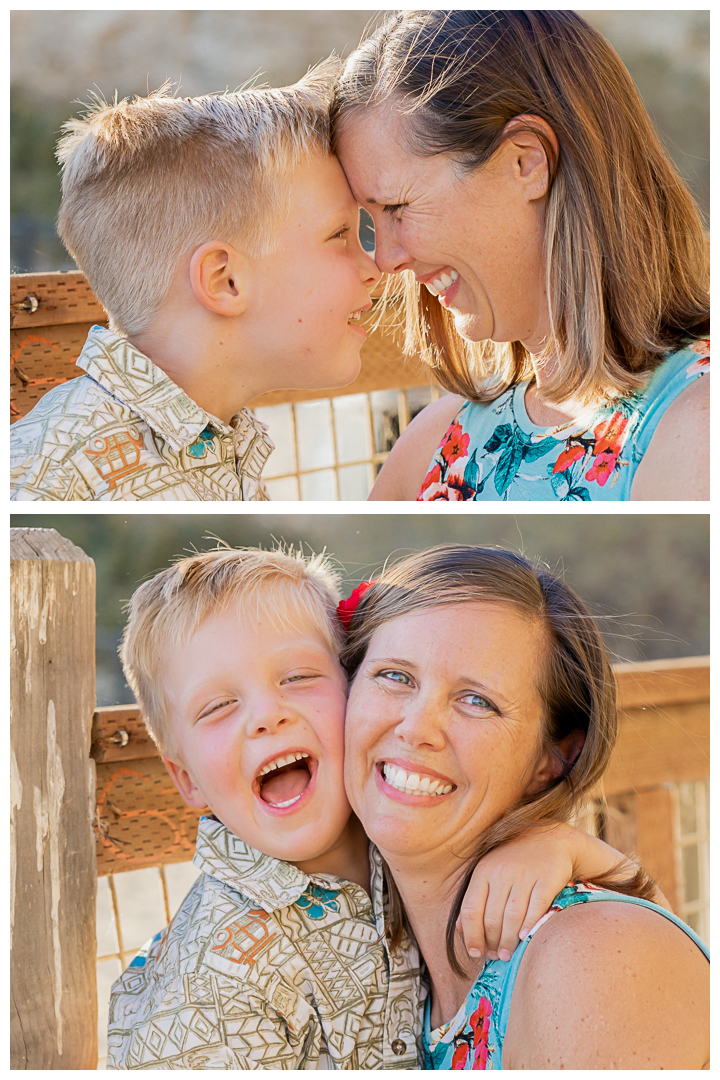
444,701
483,228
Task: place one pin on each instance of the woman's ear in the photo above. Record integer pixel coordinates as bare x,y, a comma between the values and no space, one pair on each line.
557,760
218,277
181,778
529,138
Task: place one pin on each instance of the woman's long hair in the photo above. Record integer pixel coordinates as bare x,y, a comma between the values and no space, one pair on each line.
576,683
625,251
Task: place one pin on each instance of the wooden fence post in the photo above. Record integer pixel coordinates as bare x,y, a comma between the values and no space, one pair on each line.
53,873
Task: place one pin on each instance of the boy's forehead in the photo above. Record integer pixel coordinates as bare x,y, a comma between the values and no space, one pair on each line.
284,618
319,182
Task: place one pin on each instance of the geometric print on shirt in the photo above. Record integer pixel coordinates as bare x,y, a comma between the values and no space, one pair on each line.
266,967
125,430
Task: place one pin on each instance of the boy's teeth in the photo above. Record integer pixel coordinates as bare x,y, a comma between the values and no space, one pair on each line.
413,784
442,282
279,762
288,802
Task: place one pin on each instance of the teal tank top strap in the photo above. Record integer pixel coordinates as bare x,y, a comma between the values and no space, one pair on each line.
571,895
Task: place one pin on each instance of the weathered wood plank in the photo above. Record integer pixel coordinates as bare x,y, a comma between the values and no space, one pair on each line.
61,298
663,682
41,359
659,746
644,825
53,886
119,734
141,819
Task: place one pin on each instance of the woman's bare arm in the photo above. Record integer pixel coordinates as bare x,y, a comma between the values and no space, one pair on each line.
409,460
677,463
610,986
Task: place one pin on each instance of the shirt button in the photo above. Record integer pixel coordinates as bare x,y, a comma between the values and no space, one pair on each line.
398,1046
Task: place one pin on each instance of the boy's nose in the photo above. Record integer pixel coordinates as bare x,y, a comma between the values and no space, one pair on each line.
267,715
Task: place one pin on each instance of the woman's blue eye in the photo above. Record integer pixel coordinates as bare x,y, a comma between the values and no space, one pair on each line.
477,701
396,676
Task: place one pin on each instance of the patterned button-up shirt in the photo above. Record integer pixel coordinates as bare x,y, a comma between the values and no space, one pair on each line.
265,967
125,430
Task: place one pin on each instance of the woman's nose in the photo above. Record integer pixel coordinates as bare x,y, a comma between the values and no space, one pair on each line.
390,256
421,725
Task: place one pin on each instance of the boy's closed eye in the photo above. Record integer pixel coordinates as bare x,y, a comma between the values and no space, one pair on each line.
216,706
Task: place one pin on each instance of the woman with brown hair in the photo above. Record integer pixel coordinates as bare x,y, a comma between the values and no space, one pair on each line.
482,703
555,263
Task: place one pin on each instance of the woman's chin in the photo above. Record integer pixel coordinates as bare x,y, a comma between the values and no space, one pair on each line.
472,327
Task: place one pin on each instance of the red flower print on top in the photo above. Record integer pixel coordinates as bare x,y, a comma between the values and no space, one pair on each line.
461,1053
455,445
480,1023
569,455
609,434
433,477
471,1044
601,468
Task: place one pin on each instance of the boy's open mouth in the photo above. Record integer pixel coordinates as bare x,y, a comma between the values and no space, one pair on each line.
285,779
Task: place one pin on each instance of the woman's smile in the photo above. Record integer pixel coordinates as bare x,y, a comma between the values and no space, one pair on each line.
406,779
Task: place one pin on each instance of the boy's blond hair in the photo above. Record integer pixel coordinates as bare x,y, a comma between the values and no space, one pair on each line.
145,181
287,587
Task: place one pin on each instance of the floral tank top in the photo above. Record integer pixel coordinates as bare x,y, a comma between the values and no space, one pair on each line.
474,1038
494,452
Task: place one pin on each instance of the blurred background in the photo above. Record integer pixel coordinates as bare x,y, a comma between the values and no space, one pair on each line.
60,57
646,574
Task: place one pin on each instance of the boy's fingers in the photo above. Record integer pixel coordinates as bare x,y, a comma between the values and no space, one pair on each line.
495,917
541,898
513,920
472,914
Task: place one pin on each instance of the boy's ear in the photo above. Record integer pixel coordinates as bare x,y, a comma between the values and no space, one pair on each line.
218,278
182,780
558,760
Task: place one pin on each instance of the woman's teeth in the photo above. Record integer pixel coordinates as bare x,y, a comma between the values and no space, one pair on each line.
279,762
355,317
413,783
442,283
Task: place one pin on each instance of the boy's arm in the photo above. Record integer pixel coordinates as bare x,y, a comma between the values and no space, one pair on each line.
513,886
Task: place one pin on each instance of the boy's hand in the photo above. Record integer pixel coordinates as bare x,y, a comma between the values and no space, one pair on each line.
513,886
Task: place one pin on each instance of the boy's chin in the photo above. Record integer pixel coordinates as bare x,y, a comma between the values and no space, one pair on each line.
337,375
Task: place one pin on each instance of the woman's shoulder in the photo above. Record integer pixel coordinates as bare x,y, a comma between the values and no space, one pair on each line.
594,985
675,461
408,461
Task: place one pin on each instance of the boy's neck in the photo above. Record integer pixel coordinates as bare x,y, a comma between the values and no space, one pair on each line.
347,859
200,361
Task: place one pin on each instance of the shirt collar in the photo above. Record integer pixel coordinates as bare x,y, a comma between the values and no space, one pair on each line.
270,882
137,382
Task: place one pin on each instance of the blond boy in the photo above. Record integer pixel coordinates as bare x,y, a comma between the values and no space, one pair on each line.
221,237
277,957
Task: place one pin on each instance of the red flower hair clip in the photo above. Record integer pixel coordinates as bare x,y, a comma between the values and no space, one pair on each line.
346,608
